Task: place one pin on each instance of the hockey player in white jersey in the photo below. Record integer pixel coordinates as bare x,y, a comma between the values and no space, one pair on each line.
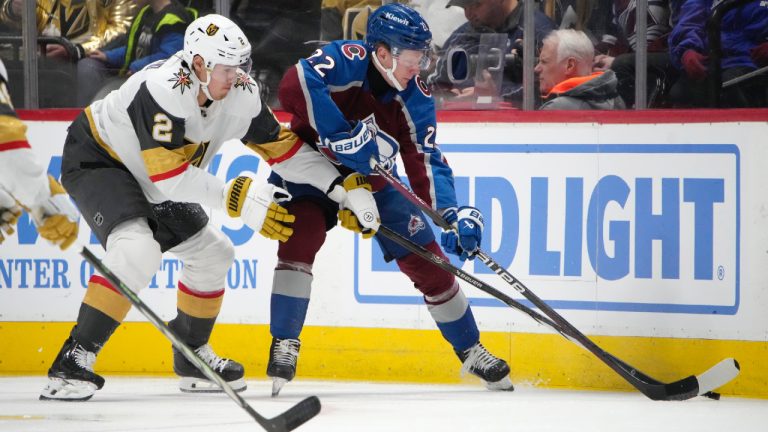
135,162
24,182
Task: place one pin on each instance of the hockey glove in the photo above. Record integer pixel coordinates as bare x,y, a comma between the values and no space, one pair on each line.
465,239
693,63
358,211
257,206
9,214
56,218
354,149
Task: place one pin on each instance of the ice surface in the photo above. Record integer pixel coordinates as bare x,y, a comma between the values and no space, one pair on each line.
155,404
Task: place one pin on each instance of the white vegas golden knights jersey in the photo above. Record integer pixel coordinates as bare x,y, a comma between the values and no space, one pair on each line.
155,127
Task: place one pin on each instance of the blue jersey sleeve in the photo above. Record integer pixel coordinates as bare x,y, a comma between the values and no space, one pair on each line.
336,65
427,169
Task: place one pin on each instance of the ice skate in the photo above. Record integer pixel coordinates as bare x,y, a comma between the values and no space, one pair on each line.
71,377
283,355
492,370
193,381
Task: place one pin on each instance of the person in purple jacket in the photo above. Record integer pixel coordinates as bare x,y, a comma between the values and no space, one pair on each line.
156,33
353,101
744,39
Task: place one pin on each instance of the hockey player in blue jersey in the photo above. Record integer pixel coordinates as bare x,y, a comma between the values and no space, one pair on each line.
354,102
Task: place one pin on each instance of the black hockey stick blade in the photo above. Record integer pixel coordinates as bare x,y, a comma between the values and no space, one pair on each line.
287,421
683,389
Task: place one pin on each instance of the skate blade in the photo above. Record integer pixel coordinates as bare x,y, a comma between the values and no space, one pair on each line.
504,384
59,389
199,385
277,385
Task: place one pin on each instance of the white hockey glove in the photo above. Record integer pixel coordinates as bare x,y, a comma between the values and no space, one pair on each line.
257,206
9,214
358,212
56,218
465,239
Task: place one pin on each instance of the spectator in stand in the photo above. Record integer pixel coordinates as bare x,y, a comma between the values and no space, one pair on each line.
565,75
91,24
489,16
617,50
88,24
156,33
744,42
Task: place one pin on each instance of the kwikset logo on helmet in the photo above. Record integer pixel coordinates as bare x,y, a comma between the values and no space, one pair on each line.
393,17
212,29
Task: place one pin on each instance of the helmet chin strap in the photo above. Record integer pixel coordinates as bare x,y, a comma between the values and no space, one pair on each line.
204,85
388,73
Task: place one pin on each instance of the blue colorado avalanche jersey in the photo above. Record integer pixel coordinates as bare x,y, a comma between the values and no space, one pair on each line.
338,85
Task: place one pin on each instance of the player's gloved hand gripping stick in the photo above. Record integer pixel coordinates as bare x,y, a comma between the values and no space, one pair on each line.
257,206
686,388
358,211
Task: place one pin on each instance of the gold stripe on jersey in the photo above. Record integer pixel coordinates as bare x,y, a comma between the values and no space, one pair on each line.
12,130
198,307
163,163
283,147
97,137
100,295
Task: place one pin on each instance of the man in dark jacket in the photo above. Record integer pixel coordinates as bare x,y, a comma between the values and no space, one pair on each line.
565,75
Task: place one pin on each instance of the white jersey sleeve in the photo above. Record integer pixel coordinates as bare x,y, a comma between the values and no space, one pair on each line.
21,175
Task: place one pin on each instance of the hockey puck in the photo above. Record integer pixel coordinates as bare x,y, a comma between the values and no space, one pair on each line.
712,395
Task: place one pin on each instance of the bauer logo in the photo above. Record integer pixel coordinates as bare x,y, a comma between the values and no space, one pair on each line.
649,228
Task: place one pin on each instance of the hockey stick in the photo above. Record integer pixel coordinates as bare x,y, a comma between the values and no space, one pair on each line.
686,388
287,421
714,374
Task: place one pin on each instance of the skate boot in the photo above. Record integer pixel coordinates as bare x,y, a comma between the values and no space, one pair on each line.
283,355
71,377
193,381
492,370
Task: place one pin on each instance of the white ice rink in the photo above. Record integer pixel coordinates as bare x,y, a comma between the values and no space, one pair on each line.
155,405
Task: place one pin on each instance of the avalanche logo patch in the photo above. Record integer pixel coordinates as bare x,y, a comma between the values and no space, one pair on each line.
181,80
352,51
244,81
423,87
415,225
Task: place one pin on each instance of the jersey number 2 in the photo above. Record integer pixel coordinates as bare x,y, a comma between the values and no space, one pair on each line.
162,130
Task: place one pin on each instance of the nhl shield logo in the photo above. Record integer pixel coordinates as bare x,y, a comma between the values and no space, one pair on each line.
212,29
98,218
415,225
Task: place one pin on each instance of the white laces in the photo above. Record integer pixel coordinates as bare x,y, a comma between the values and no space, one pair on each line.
478,358
84,358
214,361
286,351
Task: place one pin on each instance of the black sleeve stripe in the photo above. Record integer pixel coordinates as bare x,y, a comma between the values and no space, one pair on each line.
154,126
264,127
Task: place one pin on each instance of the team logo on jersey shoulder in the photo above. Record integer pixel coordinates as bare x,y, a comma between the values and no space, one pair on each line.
423,87
181,80
415,225
244,81
212,29
352,51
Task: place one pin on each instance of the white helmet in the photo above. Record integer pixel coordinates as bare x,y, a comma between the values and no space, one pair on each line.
217,40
